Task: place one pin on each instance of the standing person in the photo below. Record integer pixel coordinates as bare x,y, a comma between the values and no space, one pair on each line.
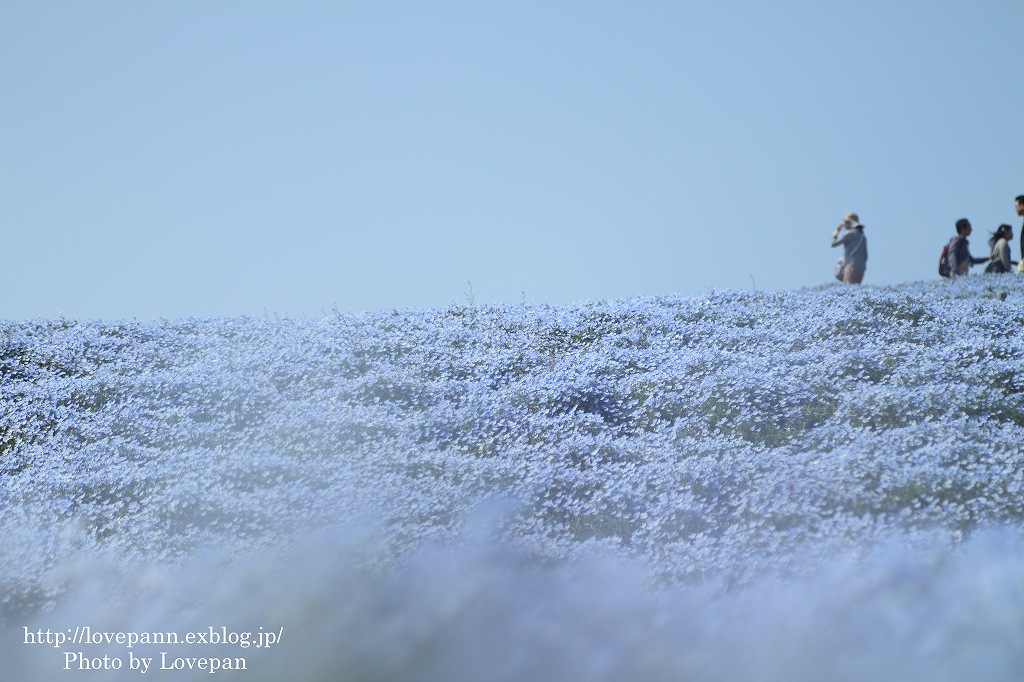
1020,211
1019,201
855,249
960,258
1000,261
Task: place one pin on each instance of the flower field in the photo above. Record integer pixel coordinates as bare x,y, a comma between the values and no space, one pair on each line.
819,484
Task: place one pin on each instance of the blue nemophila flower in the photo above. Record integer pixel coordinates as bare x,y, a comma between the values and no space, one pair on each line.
731,435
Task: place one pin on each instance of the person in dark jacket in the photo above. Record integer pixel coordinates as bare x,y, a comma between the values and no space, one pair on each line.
960,258
1020,211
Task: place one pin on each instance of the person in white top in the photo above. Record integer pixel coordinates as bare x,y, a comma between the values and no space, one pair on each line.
999,260
855,249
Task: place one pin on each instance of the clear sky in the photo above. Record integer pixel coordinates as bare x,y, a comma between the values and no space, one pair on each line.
173,158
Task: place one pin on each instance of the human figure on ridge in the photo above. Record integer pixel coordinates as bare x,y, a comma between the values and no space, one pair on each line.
960,258
1000,260
1019,201
855,249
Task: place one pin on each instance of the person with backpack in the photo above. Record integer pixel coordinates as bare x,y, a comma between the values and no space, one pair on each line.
956,258
850,269
1000,261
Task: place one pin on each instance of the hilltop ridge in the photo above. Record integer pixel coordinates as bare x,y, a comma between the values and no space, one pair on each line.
714,442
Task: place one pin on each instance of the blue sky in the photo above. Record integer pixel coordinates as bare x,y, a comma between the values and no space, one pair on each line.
168,159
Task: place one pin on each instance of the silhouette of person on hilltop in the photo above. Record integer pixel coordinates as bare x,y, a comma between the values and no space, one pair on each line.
1019,201
1000,260
855,250
960,258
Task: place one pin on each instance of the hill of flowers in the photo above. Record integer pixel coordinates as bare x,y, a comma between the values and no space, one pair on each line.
820,484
